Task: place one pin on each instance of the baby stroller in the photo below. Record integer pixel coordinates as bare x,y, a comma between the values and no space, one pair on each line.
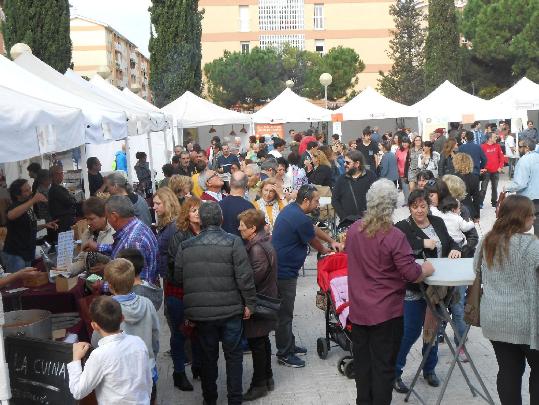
333,299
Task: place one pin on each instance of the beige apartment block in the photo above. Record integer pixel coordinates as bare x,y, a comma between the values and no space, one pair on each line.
96,44
314,25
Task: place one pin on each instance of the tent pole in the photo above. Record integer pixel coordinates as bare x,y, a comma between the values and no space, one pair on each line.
152,172
85,180
5,388
128,157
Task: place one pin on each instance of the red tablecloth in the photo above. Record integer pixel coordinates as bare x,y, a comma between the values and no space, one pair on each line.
44,297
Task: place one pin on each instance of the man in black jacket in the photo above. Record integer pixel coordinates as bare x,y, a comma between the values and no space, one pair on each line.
219,291
349,198
62,205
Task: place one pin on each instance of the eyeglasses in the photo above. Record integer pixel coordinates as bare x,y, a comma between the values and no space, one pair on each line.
212,176
348,162
430,182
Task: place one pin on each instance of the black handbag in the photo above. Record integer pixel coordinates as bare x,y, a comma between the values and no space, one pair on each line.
267,307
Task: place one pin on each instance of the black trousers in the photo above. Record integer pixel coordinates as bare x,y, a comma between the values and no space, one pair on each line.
511,364
375,350
493,178
261,352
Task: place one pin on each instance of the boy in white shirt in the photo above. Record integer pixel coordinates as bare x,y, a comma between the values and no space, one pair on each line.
118,369
455,224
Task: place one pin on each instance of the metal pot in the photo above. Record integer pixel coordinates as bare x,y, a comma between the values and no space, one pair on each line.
34,323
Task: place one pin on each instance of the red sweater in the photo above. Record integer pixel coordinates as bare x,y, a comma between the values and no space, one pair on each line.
495,158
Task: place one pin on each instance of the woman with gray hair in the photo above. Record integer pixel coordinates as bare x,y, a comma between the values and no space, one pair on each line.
117,185
380,262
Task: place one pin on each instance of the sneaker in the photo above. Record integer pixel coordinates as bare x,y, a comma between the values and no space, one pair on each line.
432,379
300,351
462,356
291,361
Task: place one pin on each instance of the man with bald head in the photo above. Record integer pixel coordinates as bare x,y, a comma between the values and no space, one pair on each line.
62,205
235,203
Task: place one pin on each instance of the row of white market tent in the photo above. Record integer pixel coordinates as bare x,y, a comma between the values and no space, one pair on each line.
43,111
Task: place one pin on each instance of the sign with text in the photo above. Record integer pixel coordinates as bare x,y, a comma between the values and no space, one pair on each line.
38,371
269,130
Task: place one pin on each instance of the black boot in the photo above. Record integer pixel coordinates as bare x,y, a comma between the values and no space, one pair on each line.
181,382
270,384
255,393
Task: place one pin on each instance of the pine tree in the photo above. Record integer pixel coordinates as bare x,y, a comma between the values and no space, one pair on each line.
404,82
41,24
442,45
175,49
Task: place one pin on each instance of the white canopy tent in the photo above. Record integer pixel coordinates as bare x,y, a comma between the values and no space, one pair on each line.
30,127
102,123
192,111
371,105
289,107
523,97
371,108
448,103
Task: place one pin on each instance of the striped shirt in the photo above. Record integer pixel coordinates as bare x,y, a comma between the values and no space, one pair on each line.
136,235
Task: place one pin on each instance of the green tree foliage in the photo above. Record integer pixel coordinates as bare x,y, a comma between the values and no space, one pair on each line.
43,25
246,78
404,82
255,77
175,49
442,45
505,35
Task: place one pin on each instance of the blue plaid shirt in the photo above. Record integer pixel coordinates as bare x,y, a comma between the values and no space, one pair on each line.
136,235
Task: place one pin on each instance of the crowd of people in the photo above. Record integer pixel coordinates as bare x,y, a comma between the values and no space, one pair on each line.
229,230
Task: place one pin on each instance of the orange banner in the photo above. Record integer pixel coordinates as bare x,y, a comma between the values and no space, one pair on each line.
269,130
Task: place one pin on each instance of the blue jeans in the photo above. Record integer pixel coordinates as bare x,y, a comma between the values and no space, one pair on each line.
414,316
174,314
229,332
14,263
457,312
403,181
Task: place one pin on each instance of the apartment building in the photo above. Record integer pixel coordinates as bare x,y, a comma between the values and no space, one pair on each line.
314,25
96,44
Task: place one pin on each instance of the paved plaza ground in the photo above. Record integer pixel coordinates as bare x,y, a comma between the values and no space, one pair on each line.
320,382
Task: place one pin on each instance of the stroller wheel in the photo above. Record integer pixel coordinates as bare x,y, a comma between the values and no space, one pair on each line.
342,363
349,371
322,348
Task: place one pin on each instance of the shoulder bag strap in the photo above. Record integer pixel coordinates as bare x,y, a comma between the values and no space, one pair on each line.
353,195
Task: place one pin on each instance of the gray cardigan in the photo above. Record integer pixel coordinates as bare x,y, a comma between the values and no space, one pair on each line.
510,303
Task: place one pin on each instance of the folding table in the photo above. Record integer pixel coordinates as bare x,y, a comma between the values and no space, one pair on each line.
449,273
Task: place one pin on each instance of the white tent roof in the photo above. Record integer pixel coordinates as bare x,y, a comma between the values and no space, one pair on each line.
30,126
451,104
289,107
369,104
155,113
191,111
524,95
102,123
156,121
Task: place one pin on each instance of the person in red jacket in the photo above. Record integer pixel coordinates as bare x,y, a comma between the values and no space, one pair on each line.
493,168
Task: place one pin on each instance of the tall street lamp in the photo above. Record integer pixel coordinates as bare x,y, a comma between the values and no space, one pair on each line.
18,49
325,80
289,83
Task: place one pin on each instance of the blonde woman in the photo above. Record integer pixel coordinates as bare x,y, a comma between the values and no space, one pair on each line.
182,186
271,202
463,164
319,170
167,208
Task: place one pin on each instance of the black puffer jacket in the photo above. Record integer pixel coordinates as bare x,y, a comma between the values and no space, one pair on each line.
216,276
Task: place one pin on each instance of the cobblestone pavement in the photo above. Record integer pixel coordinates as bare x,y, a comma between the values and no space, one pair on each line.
320,382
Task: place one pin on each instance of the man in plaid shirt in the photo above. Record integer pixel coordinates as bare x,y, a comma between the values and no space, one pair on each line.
130,233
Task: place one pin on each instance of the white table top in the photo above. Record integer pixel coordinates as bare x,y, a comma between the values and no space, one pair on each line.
325,201
450,272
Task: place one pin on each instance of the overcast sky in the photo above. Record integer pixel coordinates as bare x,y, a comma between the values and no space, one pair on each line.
129,17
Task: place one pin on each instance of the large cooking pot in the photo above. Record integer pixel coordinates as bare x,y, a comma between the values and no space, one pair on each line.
34,323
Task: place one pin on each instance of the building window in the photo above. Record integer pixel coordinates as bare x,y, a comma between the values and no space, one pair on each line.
318,16
244,19
279,41
319,46
280,15
244,47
